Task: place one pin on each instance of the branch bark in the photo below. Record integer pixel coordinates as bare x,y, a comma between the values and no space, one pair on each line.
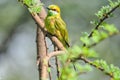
41,54
55,53
41,44
41,48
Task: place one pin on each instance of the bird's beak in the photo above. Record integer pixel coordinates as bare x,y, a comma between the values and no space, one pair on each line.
47,8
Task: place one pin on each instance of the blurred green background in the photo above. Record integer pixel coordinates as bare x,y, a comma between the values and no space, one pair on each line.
18,36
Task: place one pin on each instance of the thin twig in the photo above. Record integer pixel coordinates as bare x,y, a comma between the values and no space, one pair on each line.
50,75
55,53
101,21
103,39
57,66
92,64
57,62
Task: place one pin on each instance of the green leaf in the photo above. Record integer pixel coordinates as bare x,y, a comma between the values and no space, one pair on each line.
34,6
27,2
96,37
94,22
83,68
110,28
111,69
68,73
35,9
89,52
48,69
103,34
85,40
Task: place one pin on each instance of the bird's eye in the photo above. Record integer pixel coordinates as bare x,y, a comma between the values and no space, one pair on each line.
54,9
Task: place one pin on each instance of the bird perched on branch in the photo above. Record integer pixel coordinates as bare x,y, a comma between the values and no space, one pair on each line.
56,26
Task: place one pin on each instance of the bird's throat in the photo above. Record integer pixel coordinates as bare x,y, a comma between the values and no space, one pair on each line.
52,13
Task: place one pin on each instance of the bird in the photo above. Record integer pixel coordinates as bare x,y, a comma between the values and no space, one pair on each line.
55,25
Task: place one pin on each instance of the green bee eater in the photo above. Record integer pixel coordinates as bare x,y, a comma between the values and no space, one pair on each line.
56,26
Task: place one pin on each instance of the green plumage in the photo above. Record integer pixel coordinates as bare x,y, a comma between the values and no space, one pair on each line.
56,26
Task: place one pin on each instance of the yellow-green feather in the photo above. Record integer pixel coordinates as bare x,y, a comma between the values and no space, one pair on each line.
56,26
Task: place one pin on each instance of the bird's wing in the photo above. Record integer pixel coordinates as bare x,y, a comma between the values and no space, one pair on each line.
61,26
49,24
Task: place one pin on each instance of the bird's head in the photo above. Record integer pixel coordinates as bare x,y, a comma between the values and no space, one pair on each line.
53,10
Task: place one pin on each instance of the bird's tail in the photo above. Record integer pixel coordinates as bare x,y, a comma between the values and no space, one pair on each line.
67,44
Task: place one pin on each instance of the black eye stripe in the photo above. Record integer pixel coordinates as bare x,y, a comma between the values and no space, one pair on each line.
54,9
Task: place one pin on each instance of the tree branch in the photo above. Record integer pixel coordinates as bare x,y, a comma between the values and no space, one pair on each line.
103,39
42,59
41,54
41,49
55,53
101,21
92,64
57,63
